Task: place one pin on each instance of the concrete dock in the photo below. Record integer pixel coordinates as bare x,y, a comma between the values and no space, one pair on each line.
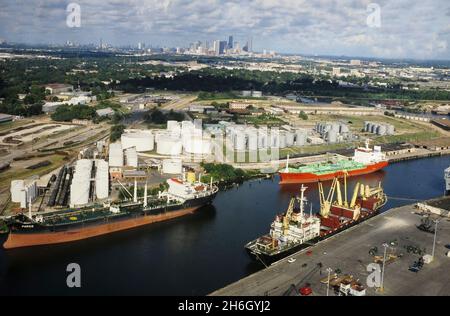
348,254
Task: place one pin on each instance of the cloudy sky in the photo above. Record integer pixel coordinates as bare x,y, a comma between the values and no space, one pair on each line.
406,28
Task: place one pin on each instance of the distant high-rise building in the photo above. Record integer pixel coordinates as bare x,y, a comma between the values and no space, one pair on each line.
230,42
222,47
250,44
216,47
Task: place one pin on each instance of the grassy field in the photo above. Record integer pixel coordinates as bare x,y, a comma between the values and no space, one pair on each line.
15,124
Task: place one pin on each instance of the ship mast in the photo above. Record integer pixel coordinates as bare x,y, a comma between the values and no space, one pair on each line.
287,164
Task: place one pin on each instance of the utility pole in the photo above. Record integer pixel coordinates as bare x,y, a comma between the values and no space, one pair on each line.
384,265
436,222
328,282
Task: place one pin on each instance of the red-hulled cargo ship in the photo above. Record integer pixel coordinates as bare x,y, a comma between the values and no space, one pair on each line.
365,160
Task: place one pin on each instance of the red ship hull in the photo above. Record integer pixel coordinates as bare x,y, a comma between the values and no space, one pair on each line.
288,177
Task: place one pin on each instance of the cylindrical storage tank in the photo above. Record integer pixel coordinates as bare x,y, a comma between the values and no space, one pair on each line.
198,145
366,126
142,140
390,129
282,140
381,130
80,187
17,187
332,136
373,128
116,155
274,139
239,141
102,179
335,127
252,141
289,139
300,137
131,157
168,145
262,138
369,127
172,166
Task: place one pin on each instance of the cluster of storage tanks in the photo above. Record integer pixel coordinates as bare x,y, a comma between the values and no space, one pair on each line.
90,180
333,132
379,128
22,191
243,138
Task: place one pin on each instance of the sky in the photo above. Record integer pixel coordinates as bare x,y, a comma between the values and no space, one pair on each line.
418,29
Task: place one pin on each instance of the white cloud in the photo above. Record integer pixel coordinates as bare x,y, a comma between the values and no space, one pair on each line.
417,29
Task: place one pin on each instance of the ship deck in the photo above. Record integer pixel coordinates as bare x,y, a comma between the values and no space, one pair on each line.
349,252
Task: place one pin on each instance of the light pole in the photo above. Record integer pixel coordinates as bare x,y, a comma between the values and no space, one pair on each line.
384,265
436,222
328,282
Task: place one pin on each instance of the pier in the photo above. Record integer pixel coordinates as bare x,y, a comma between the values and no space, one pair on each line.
350,253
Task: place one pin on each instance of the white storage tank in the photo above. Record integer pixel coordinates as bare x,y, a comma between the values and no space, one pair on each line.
116,155
275,139
197,145
252,141
282,140
102,179
131,157
381,130
16,190
239,141
373,128
141,140
172,166
168,145
22,191
332,136
289,139
81,183
300,137
262,138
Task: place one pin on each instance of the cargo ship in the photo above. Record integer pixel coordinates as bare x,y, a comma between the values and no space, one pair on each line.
73,224
364,161
294,231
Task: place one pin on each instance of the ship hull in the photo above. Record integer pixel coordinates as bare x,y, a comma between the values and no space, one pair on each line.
290,177
39,236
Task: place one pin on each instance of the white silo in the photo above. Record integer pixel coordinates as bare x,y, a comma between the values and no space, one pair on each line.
275,139
101,179
115,155
197,145
332,136
289,139
81,183
131,157
239,140
373,128
262,138
282,139
381,130
300,137
252,141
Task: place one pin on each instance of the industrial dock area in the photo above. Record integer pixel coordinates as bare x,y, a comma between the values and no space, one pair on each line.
346,256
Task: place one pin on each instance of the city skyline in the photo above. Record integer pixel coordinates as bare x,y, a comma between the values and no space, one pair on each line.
418,30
